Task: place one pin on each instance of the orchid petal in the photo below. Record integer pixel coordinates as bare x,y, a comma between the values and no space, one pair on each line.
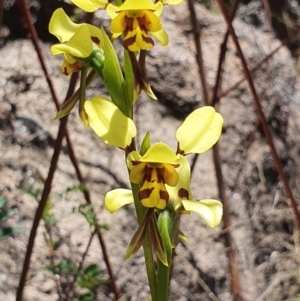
109,123
80,44
209,210
157,153
117,198
90,5
182,189
137,5
162,37
200,131
61,26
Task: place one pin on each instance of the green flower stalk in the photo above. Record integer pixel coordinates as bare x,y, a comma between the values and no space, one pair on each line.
159,176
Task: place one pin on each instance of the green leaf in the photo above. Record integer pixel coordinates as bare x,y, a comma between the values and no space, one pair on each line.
113,77
35,193
64,267
3,200
9,231
79,187
5,214
89,277
88,212
87,297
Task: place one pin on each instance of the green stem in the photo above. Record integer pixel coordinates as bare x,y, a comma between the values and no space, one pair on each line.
165,226
148,254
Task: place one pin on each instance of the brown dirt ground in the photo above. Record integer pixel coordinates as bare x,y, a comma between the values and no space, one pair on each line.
264,238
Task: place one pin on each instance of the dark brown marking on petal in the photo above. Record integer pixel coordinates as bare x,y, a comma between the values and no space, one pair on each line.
134,163
148,40
130,41
129,23
145,193
148,174
160,174
66,71
175,165
164,195
95,40
183,193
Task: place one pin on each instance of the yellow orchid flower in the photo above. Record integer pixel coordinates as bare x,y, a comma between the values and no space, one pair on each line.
135,19
109,123
90,5
180,199
77,41
154,169
160,168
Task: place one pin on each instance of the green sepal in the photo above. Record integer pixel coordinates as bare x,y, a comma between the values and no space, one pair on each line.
165,225
157,242
113,77
83,115
68,106
146,144
139,236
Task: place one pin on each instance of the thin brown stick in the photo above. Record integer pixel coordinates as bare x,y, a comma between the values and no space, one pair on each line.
50,244
1,13
261,116
223,48
293,34
34,38
41,206
79,268
235,284
199,53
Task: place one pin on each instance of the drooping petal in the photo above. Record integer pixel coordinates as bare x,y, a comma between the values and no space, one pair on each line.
153,195
137,173
90,5
152,21
170,175
118,24
117,198
200,131
137,39
109,123
162,37
209,210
